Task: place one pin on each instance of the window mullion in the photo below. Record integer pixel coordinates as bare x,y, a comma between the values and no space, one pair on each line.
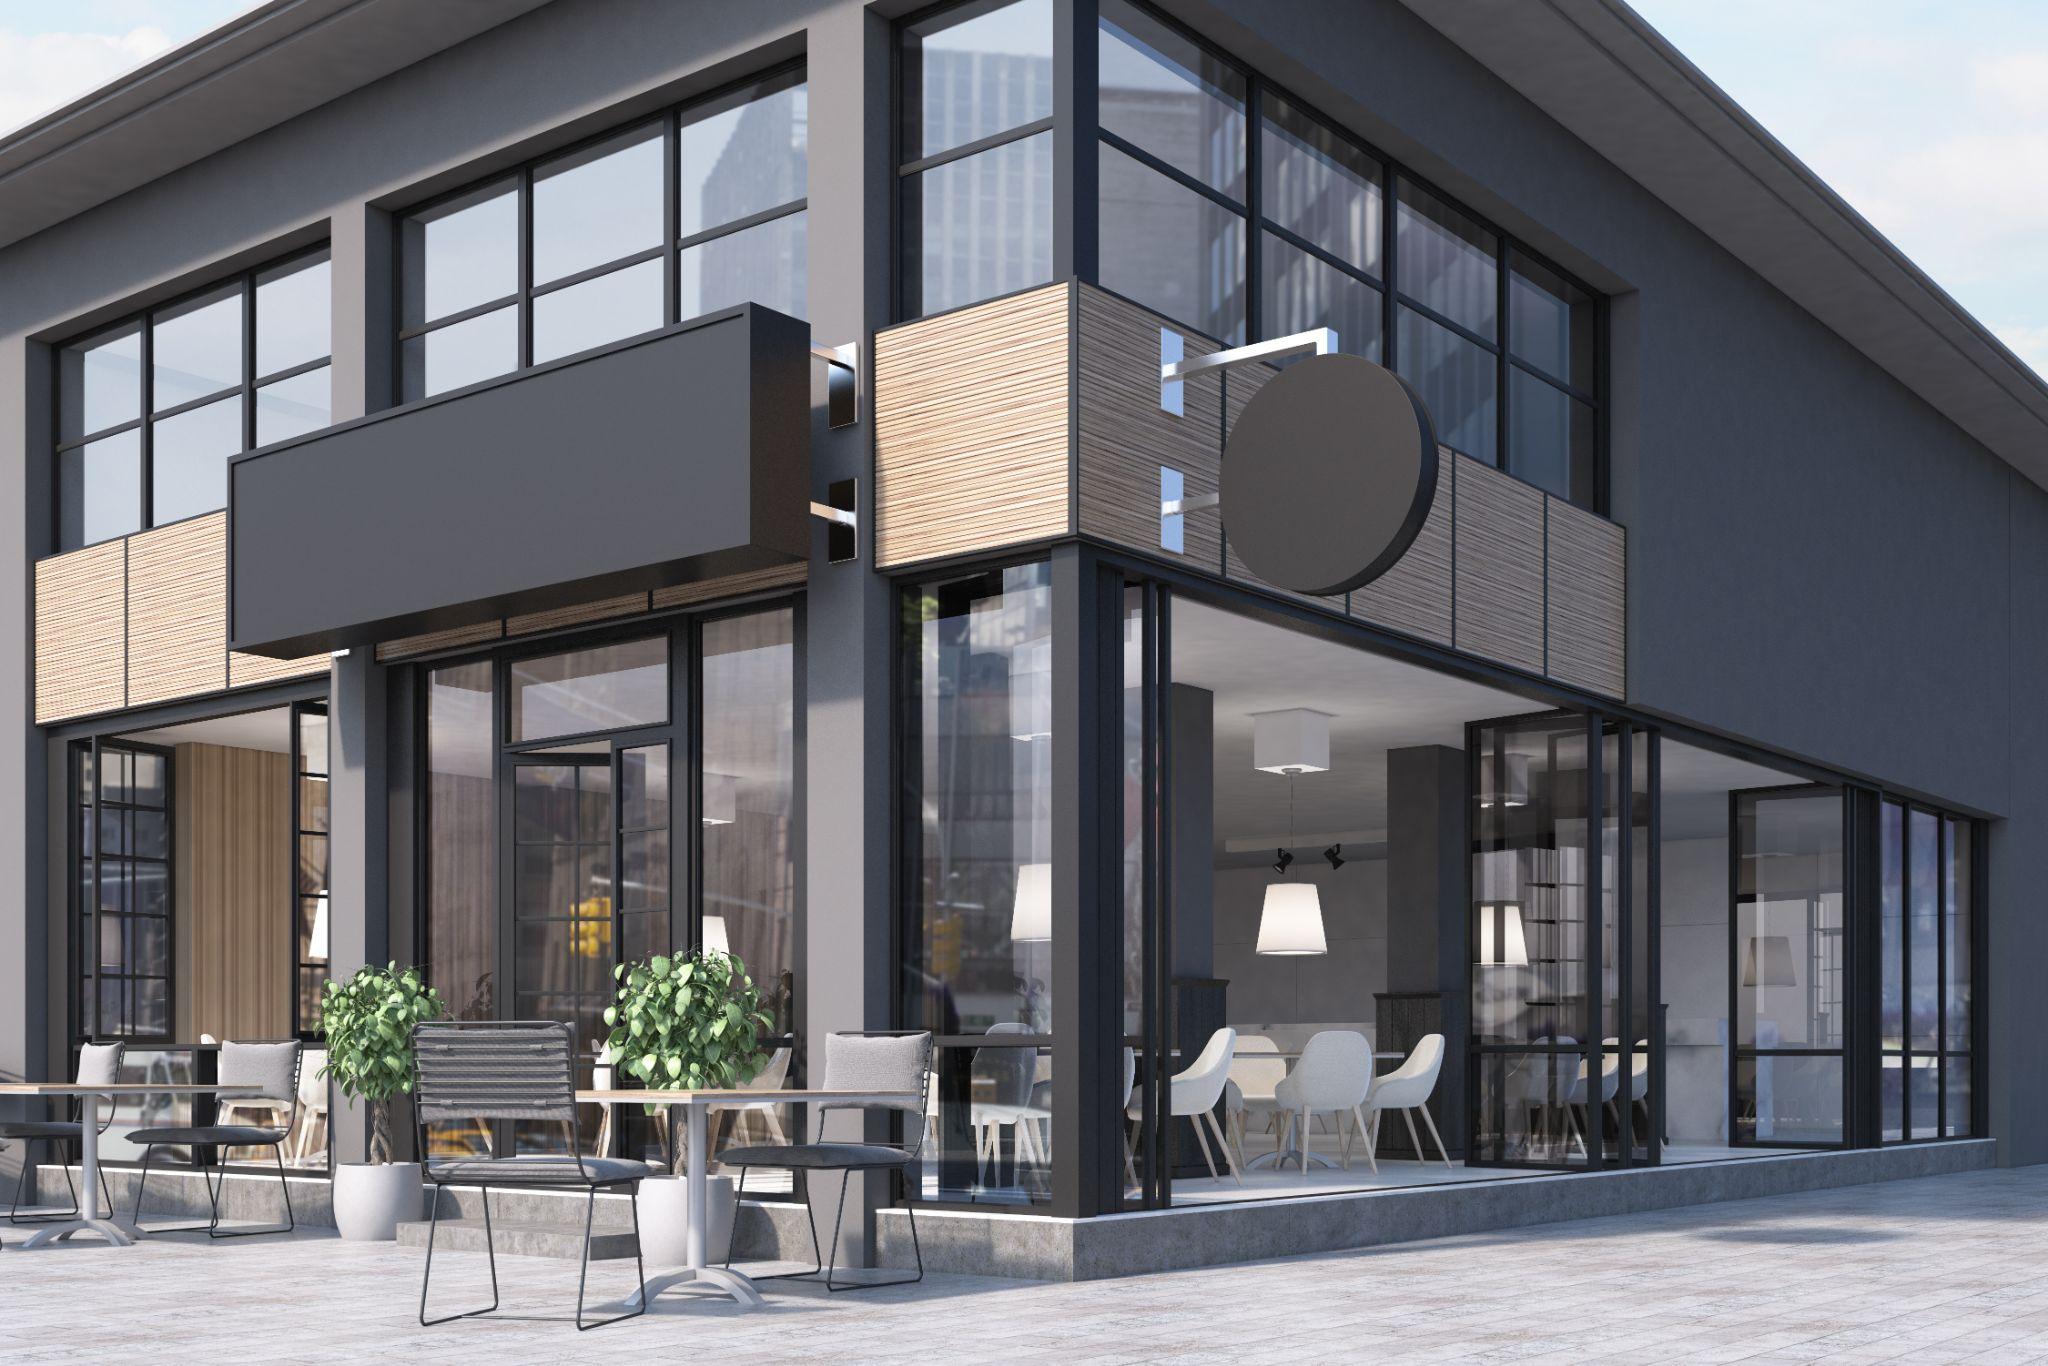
525,217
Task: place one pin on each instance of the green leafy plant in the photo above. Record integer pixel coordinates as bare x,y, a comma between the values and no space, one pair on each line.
367,1021
693,1022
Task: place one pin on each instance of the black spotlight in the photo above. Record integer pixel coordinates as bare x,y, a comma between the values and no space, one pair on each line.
1280,863
1335,854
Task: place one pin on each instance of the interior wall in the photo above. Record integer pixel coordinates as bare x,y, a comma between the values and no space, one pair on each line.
231,820
1336,987
1695,989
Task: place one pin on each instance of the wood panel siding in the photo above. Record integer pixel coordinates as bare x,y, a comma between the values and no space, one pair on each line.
971,429
1498,566
81,632
630,605
1415,595
232,881
731,586
432,641
1125,436
247,671
1587,573
178,610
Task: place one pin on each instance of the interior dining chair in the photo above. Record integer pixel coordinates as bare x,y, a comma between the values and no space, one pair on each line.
1012,1070
1193,1093
1333,1076
1254,1078
1408,1088
1577,1100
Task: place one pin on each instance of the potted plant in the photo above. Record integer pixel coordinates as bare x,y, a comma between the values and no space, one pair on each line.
689,1022
367,1021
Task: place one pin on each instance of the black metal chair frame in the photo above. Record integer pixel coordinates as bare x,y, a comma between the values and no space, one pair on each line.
215,1172
823,1271
426,1110
14,1214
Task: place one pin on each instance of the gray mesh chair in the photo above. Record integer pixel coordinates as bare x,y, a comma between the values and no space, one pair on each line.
512,1070
97,1062
272,1069
894,1060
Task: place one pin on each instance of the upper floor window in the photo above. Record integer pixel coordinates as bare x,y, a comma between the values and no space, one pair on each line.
150,409
975,159
600,243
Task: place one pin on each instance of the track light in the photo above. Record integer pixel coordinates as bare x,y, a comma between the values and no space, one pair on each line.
1280,864
1335,854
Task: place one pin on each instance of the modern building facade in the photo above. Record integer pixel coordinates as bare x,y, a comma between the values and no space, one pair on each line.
519,486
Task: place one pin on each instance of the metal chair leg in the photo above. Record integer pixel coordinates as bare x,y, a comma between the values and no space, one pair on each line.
14,1214
427,1272
840,1218
583,1273
810,1215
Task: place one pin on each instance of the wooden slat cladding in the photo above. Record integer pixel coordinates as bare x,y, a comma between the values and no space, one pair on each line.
1415,595
731,586
1498,567
583,613
233,871
178,610
1588,601
246,671
1125,436
81,632
406,646
971,447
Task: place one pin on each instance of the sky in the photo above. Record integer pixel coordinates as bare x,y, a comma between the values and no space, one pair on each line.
1930,117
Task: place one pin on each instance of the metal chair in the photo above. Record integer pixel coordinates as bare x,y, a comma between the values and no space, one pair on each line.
97,1062
272,1070
512,1070
876,1060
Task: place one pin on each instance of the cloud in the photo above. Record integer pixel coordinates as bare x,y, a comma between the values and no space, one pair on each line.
40,72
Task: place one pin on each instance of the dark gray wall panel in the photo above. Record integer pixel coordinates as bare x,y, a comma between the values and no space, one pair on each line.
684,456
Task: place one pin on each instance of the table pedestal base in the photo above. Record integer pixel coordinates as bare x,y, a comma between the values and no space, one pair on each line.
1280,1159
724,1281
116,1233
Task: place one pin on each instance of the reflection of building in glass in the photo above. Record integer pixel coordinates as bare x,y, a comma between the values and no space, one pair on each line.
986,218
759,168
1163,244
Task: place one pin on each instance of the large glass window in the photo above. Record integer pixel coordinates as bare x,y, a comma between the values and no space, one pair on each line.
310,864
151,409
976,154
610,251
121,804
977,969
1925,950
461,866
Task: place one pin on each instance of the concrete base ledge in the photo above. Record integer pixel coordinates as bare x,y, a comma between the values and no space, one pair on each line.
1040,1247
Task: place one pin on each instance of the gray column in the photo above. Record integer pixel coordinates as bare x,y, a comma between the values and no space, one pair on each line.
358,817
364,323
1427,847
844,964
1193,812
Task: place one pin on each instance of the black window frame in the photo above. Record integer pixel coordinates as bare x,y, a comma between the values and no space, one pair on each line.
84,919
308,1030
669,122
1947,825
245,283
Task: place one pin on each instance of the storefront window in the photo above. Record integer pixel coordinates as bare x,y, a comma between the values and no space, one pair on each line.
461,889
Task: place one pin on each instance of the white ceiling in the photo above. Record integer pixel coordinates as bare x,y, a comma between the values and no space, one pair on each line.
270,730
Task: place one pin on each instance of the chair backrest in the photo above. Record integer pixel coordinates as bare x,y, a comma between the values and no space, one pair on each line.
774,1073
497,1069
1257,1076
1335,1071
99,1064
880,1061
272,1068
1412,1083
1130,1073
312,1084
1200,1086
1010,1069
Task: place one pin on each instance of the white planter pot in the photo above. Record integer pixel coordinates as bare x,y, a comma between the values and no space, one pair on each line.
665,1220
372,1198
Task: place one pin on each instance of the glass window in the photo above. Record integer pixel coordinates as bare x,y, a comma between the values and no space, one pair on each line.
1552,438
1923,938
100,382
1303,291
292,407
984,225
743,155
973,72
766,264
124,877
196,348
462,815
1171,249
1167,95
1446,261
748,798
597,205
1956,897
1457,380
1319,187
461,353
606,687
622,303
460,254
99,490
189,458
1550,322
311,932
293,305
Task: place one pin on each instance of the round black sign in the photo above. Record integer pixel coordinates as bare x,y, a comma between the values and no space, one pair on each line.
1328,475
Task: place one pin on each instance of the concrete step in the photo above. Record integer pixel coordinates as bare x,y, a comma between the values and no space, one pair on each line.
520,1239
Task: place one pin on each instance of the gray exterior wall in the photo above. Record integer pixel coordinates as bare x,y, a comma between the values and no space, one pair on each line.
1819,562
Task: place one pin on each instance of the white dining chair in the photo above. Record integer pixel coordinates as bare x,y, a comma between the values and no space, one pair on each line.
1408,1088
771,1077
1253,1076
1576,1099
1193,1093
1333,1076
1013,1072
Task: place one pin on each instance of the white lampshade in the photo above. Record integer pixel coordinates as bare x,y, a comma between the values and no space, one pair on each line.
714,935
1502,942
1768,962
1031,917
721,799
1517,781
1291,922
1293,741
316,942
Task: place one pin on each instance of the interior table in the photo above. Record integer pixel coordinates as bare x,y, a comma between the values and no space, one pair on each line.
1296,1154
697,1266
117,1232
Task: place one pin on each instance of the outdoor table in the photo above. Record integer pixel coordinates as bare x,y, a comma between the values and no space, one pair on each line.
697,1267
117,1232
